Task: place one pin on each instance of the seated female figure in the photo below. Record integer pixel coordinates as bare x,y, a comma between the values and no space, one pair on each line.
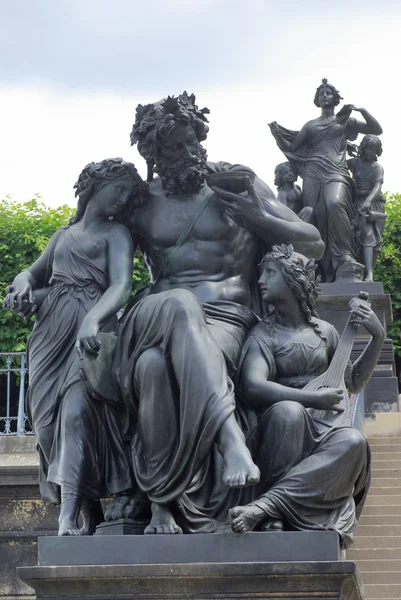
313,476
83,277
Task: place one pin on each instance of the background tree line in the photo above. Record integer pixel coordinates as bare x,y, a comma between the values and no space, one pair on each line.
26,228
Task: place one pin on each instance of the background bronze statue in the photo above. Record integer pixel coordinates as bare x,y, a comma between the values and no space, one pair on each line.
178,346
288,192
319,151
370,215
82,278
313,476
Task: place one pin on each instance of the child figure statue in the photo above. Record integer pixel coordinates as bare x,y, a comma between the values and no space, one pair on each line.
288,192
370,219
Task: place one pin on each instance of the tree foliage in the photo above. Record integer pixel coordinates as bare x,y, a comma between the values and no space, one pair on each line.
25,229
388,268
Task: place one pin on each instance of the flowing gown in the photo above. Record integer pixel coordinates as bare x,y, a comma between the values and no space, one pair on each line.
321,161
78,437
312,476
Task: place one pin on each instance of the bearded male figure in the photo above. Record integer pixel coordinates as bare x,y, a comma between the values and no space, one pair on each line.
178,346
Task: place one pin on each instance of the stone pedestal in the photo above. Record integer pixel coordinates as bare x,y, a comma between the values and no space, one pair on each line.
217,581
381,393
285,565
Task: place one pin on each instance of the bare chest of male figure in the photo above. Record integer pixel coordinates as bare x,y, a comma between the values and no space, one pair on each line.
218,257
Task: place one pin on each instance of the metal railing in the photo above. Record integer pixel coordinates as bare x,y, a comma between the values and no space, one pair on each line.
13,382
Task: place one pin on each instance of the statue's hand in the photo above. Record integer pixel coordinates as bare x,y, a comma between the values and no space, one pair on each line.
88,337
348,108
17,296
366,206
243,209
364,315
274,129
354,107
326,399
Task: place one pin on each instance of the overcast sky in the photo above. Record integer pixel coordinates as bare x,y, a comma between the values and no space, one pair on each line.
73,71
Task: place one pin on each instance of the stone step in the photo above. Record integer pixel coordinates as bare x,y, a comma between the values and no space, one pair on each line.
387,500
378,530
369,566
380,456
380,591
386,448
385,491
19,459
377,441
386,472
379,465
388,577
378,482
379,520
366,554
378,509
368,541
10,444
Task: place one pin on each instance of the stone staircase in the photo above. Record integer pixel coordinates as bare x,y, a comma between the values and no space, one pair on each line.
377,548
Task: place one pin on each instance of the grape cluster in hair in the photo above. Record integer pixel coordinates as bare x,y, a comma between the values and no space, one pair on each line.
96,175
299,274
154,123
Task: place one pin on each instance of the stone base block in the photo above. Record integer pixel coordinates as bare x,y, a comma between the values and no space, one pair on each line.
211,581
121,527
201,548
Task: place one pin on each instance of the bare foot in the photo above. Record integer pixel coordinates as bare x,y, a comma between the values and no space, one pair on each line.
239,468
68,519
67,527
245,518
162,521
92,515
273,525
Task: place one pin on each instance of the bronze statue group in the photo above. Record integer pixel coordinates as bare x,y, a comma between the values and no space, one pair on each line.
193,409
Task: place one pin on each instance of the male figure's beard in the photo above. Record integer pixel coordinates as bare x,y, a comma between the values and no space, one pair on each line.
184,175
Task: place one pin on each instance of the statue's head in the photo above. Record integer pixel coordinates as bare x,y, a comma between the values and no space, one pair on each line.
327,95
370,148
114,184
284,173
285,272
169,135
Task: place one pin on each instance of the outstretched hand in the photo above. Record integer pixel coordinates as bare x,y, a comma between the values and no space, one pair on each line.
242,209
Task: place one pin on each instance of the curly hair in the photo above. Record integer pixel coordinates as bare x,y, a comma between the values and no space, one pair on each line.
331,87
154,123
370,140
278,173
299,274
96,175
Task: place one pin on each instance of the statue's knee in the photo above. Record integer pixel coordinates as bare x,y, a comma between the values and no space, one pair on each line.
333,201
355,442
288,412
182,304
151,363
